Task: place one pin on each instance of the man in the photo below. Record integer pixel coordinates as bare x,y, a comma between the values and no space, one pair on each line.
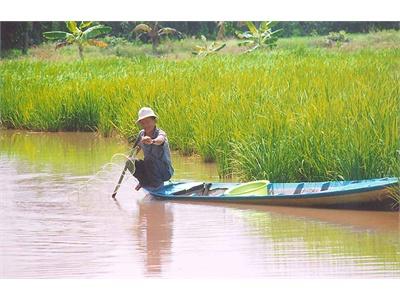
156,167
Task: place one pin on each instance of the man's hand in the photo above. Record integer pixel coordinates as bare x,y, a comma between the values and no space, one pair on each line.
147,140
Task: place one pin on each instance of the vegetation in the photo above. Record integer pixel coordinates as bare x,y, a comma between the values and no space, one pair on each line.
81,35
296,113
22,35
155,33
182,49
337,38
206,49
263,37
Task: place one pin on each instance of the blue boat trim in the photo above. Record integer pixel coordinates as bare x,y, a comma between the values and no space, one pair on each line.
327,189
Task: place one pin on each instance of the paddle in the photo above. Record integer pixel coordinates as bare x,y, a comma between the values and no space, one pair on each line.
131,154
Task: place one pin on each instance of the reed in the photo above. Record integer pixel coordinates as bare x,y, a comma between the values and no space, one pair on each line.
297,114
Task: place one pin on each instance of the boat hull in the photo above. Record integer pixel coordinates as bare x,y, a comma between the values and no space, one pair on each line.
374,193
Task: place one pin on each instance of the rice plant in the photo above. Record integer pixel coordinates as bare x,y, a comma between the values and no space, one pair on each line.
295,114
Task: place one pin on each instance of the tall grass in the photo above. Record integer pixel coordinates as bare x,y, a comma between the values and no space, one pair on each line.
301,114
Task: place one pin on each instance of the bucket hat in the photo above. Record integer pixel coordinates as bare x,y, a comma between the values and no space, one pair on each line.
144,113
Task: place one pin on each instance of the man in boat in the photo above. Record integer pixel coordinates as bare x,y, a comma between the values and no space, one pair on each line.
156,167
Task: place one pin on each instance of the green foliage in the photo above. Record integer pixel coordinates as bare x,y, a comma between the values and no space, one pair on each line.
115,41
82,35
263,37
288,115
57,35
20,35
95,31
230,28
337,38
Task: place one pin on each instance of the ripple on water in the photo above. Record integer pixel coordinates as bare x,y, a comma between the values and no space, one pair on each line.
51,229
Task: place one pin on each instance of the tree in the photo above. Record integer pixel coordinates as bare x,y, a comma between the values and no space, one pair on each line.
27,30
221,30
82,35
154,33
263,37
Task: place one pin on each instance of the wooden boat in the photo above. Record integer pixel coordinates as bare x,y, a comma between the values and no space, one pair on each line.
344,194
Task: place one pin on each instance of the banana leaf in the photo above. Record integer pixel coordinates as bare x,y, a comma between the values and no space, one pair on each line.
56,35
142,28
70,38
219,47
264,26
72,27
273,32
84,25
252,28
95,31
252,49
168,30
246,43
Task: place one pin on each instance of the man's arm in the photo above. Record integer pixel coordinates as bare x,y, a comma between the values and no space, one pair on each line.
159,140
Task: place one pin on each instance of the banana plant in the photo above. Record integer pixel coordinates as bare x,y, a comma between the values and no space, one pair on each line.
155,33
258,38
203,51
81,35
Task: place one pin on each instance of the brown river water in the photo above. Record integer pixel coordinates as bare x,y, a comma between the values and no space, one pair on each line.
56,224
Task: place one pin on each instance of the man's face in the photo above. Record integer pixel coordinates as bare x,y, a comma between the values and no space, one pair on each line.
148,123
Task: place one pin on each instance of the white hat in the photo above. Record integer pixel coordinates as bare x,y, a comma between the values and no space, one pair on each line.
144,113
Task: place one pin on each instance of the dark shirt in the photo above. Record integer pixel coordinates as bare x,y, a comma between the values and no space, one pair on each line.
158,155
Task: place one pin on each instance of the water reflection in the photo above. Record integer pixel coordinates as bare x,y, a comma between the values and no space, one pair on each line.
154,233
336,251
309,243
82,153
49,229
66,152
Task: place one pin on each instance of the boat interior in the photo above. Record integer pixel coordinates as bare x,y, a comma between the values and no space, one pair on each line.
203,189
212,189
218,188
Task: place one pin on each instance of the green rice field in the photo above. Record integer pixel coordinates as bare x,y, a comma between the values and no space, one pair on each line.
286,115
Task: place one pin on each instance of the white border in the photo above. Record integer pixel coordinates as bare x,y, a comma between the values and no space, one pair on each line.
198,289
205,10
